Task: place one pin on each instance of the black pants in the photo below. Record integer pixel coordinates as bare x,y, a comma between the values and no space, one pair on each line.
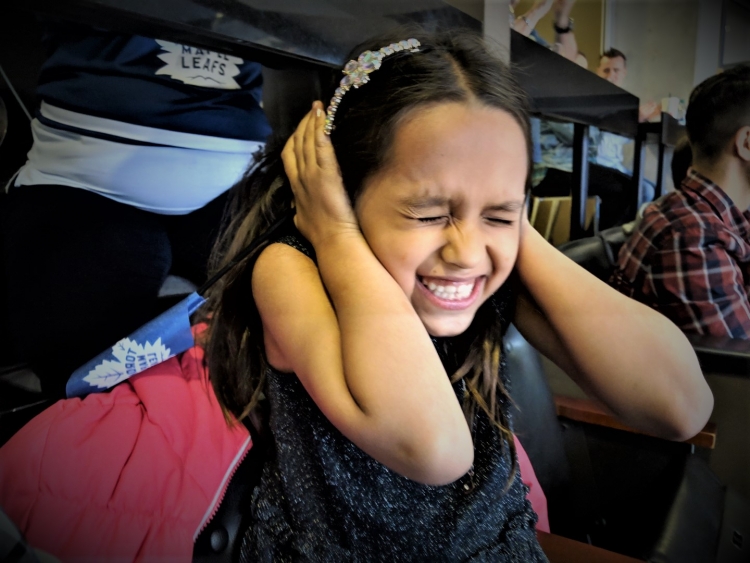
83,271
613,187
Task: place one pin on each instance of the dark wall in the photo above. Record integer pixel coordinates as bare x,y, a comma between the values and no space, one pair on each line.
21,56
736,47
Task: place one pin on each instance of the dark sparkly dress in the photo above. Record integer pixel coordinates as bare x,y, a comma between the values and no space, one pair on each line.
322,499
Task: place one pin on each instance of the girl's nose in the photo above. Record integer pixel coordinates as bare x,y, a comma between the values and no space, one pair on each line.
464,247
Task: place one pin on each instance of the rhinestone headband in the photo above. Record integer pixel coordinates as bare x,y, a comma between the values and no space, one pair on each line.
356,73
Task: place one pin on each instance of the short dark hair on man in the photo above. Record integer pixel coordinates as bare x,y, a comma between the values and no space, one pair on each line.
613,54
718,108
682,159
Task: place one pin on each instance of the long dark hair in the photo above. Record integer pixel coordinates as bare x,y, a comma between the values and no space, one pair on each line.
451,67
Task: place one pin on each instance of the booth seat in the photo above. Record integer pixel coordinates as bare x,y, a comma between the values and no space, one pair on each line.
608,485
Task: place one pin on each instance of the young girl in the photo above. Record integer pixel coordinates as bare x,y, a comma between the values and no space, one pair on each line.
365,339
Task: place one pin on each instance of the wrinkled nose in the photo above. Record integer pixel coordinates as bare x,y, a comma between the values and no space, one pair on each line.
464,247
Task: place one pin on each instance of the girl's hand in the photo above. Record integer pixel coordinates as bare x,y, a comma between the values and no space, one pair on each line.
323,207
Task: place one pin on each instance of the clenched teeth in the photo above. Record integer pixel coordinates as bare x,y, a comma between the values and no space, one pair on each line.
450,292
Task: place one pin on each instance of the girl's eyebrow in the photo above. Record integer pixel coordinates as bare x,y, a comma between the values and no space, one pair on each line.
424,202
430,201
507,206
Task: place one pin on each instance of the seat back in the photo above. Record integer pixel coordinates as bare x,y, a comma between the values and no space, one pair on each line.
561,229
543,214
598,254
591,254
551,216
626,493
3,121
533,413
545,440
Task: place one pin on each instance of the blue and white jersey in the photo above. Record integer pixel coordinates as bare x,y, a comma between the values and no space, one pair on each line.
154,124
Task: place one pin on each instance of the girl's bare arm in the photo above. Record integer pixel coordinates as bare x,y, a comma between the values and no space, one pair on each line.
621,352
350,334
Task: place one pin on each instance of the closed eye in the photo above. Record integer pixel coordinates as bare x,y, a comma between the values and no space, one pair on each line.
430,219
499,221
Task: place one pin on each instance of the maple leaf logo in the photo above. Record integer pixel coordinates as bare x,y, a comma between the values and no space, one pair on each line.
130,358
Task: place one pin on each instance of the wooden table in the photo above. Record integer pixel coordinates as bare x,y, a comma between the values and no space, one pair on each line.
562,550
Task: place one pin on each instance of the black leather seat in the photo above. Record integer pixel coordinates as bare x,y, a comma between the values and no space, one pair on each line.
3,121
598,254
633,494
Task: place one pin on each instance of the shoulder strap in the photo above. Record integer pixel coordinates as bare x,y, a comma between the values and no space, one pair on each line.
292,237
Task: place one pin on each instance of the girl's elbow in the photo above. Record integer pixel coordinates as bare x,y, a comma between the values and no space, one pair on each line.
693,415
441,460
689,397
684,430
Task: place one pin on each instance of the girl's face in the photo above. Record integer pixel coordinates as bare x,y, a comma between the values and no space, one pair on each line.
443,215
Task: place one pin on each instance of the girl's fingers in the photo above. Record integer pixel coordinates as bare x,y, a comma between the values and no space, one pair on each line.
299,143
326,156
309,139
290,164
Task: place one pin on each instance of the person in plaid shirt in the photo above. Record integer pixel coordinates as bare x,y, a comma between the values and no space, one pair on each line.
689,257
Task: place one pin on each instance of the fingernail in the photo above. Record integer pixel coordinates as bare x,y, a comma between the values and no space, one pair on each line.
318,113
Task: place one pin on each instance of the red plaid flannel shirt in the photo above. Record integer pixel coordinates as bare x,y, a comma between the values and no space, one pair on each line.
689,259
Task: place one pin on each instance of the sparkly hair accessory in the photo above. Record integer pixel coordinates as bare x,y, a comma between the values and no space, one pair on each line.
357,73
